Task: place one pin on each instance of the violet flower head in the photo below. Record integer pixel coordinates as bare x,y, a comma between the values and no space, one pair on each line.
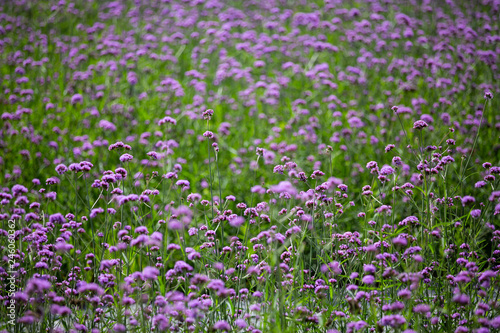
475,213
222,326
126,157
61,169
37,285
240,323
422,308
368,279
150,273
369,268
63,247
237,221
167,120
468,200
420,124
76,99
207,115
386,170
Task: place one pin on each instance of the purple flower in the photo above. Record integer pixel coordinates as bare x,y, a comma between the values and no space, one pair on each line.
368,279
150,273
91,287
107,125
369,268
421,308
467,200
420,124
61,169
154,155
18,190
60,310
222,326
237,221
29,320
386,170
480,184
389,147
141,230
240,323
76,99
126,157
461,299
399,241
279,169
75,167
184,184
36,285
167,120
392,320
119,328
475,213
132,78
404,293
181,266
209,134
396,160
63,247
284,187
207,115
57,218
384,209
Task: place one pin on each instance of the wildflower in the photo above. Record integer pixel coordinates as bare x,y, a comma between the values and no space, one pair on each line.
240,323
422,308
342,187
61,169
63,247
237,221
119,328
420,124
467,200
475,213
76,99
36,285
480,184
386,170
150,273
279,169
167,120
369,268
154,155
207,115
126,157
222,326
392,320
461,299
396,160
368,279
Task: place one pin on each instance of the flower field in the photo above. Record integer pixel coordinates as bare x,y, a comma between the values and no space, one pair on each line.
249,166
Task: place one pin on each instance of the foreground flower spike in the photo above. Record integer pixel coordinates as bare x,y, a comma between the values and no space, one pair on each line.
420,124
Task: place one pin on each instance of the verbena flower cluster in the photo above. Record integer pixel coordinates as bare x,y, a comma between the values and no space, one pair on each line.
249,166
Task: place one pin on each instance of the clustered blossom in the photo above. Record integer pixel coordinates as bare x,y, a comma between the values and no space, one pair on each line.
420,124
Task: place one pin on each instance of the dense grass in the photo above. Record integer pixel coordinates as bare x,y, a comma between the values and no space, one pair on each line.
253,166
